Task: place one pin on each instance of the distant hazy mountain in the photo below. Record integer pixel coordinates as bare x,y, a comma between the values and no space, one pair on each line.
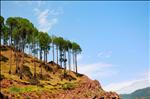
138,94
134,86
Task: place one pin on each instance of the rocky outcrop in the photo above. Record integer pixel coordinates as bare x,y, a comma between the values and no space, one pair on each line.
87,89
52,85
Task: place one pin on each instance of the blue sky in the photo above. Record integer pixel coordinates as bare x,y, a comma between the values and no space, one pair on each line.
113,35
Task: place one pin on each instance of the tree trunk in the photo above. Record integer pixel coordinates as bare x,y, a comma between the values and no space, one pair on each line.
76,63
41,63
22,63
57,54
10,50
34,68
34,64
46,56
72,61
73,56
41,54
16,57
10,61
69,61
53,52
65,64
60,52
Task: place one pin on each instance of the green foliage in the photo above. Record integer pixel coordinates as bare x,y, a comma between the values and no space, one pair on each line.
21,33
68,86
16,89
11,22
1,20
76,48
44,40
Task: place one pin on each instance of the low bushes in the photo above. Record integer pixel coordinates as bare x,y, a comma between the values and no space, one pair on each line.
68,86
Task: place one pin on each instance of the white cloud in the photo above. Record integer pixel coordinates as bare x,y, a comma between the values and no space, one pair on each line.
106,54
127,87
98,70
44,23
56,12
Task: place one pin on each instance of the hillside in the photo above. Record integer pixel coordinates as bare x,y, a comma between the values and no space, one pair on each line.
138,94
51,85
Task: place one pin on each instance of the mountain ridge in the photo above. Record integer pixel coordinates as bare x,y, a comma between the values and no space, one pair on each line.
52,85
139,84
143,93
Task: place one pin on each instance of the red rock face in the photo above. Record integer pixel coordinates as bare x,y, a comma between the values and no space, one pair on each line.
6,83
86,89
111,95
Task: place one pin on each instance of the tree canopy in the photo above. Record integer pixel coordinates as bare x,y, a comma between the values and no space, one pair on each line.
21,34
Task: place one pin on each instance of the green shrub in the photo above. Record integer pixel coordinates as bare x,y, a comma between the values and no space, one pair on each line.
68,86
15,89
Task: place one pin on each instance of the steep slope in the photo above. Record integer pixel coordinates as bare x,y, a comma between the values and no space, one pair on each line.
51,85
138,94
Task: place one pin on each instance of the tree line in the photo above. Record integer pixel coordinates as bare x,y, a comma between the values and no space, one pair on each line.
20,34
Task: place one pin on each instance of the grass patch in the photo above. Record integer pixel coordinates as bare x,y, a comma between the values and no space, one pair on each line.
30,88
68,86
15,89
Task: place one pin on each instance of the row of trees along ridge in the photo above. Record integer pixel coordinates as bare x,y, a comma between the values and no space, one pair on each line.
20,34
